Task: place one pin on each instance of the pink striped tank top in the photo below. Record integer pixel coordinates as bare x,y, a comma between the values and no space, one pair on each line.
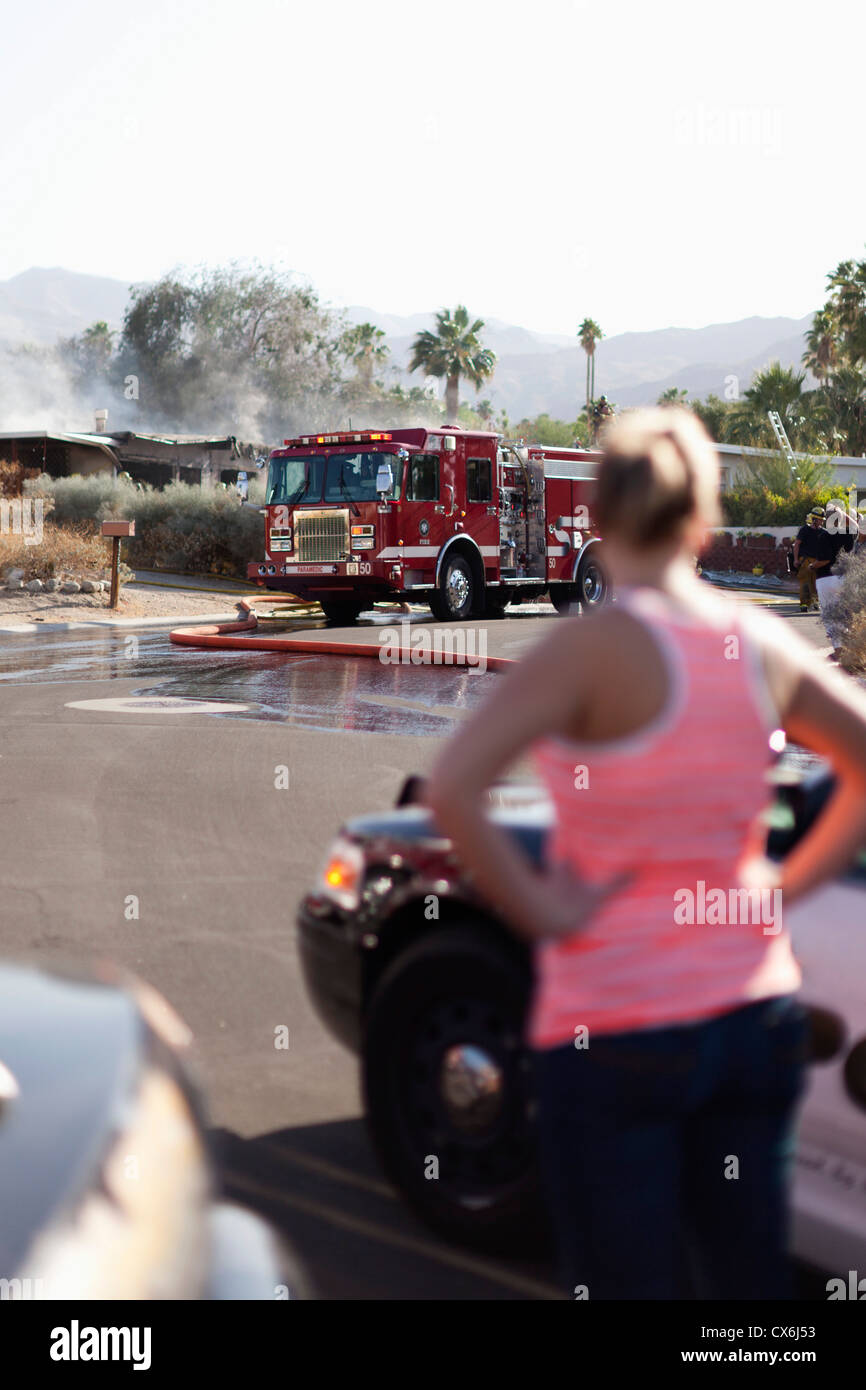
677,805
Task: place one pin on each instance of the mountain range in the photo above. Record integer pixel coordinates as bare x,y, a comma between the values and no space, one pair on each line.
535,372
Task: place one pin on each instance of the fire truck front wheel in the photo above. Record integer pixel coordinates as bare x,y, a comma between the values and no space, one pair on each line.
341,612
456,595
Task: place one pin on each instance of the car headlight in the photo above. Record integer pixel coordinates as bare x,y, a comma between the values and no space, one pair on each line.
343,874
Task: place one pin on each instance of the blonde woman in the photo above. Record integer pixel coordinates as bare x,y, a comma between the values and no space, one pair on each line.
666,1036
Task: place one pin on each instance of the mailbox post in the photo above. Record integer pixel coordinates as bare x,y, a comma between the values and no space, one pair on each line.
117,530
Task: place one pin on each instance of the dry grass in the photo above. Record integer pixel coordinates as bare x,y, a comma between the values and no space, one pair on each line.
68,551
13,477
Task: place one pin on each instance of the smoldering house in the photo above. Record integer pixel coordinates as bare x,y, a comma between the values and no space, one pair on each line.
157,459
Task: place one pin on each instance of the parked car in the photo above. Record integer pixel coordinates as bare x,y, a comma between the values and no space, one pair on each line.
410,968
106,1188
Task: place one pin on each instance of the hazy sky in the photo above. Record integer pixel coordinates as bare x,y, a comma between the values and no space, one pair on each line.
647,164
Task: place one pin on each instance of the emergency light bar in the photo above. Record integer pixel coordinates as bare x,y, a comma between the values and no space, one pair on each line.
346,438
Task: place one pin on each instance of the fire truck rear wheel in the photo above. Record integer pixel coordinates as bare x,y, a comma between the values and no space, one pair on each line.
454,599
341,613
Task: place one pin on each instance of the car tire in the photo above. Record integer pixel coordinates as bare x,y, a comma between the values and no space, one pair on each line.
447,1092
341,613
454,598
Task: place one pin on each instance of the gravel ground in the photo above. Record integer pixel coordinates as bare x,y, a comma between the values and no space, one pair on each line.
17,606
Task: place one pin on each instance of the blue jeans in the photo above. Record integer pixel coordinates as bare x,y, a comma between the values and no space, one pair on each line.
665,1153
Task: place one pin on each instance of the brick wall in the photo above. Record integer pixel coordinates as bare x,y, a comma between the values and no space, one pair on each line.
741,554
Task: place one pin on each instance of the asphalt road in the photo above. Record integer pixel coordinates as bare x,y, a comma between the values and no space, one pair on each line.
158,838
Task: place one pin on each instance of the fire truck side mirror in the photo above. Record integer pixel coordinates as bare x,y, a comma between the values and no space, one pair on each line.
384,478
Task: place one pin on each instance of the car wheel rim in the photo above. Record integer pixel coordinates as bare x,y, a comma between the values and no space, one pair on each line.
463,1098
471,1087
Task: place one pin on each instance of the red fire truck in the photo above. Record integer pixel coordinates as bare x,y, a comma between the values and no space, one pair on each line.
462,520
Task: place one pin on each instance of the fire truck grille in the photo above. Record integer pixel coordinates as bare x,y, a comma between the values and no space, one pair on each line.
322,535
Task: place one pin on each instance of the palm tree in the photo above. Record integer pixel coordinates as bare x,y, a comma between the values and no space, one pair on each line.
847,304
363,346
775,388
821,345
673,396
589,334
453,351
844,398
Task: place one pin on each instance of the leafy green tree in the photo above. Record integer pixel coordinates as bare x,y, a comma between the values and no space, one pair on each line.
230,349
156,345
452,352
542,429
715,415
88,355
398,406
589,334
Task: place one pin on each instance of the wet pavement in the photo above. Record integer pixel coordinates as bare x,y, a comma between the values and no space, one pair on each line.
304,691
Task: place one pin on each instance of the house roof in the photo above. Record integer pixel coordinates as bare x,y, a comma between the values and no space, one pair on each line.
210,441
61,436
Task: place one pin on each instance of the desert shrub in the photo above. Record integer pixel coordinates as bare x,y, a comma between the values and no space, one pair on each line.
181,528
83,497
186,528
845,614
852,653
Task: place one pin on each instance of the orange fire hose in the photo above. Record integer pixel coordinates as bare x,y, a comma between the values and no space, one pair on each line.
224,636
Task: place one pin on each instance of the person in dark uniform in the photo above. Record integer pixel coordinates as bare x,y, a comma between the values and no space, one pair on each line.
815,550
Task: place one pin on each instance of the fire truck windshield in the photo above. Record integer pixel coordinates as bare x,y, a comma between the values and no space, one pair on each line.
330,477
